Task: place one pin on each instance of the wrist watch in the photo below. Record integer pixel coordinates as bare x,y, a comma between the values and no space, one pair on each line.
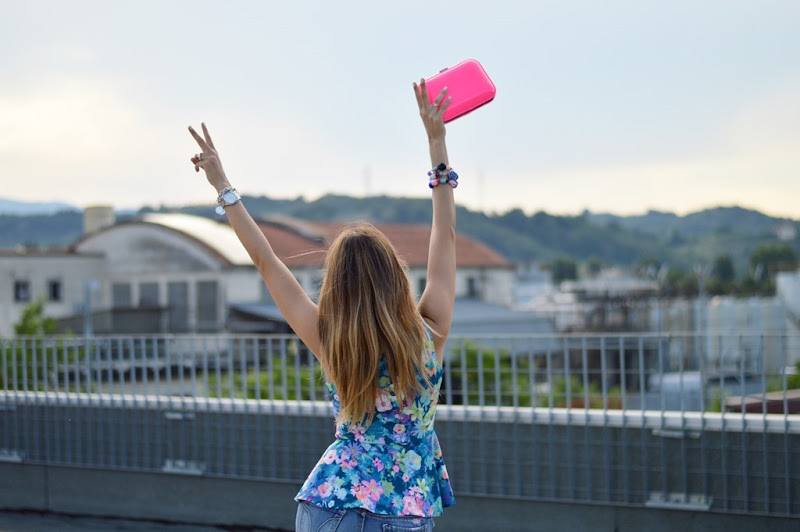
227,196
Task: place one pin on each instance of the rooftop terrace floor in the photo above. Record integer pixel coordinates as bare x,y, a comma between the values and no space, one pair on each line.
29,521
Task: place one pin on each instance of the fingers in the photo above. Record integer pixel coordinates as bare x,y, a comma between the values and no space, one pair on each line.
207,135
200,160
423,91
417,95
438,101
445,105
200,141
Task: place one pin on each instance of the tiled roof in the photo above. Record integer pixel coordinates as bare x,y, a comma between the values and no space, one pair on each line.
296,247
301,243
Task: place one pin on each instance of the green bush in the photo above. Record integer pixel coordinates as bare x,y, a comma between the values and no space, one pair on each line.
500,380
266,384
22,366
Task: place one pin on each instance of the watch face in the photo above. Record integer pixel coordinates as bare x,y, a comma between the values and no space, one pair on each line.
230,197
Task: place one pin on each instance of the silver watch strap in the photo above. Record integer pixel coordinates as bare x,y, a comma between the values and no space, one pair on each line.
221,203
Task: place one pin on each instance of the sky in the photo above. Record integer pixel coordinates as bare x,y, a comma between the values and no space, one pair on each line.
614,106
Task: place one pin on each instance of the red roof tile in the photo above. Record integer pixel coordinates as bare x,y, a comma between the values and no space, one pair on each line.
300,243
293,247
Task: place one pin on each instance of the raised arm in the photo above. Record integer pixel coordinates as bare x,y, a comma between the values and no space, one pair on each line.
436,304
295,305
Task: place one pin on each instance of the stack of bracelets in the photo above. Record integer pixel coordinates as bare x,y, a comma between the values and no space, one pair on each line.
442,174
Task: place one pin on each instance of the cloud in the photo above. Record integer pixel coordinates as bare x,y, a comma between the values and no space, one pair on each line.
771,120
93,140
79,140
66,122
751,160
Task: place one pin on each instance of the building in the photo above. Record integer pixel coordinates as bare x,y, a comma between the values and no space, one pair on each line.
59,277
181,273
787,289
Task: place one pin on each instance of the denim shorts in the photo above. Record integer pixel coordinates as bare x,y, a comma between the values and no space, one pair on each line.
311,518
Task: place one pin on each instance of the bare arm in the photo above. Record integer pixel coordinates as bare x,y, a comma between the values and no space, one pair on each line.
295,305
436,303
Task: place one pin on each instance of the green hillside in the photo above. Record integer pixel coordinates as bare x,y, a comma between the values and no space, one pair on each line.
655,237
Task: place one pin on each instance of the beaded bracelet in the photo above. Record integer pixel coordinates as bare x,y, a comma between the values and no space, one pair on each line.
442,174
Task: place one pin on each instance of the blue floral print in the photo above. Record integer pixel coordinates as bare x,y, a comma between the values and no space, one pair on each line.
392,467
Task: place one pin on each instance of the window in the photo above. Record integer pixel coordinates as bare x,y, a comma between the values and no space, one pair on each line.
148,295
472,287
54,290
207,297
421,283
121,295
22,291
178,301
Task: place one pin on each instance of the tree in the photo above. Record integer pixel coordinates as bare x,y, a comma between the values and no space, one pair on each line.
563,269
25,356
723,269
723,276
33,322
769,259
647,267
594,265
681,283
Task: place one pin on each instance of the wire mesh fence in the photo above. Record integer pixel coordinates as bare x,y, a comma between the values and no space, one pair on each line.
679,421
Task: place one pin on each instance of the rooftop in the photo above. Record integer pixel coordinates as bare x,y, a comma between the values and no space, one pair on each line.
299,243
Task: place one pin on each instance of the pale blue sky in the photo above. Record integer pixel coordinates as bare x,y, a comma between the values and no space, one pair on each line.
616,106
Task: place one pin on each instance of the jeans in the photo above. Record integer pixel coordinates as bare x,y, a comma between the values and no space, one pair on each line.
311,518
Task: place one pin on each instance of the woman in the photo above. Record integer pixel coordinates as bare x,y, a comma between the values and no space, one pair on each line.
380,351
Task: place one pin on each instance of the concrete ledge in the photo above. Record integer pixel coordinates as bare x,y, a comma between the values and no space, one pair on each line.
219,501
152,496
474,514
23,486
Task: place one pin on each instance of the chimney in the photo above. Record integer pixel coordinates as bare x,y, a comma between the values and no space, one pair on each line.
97,217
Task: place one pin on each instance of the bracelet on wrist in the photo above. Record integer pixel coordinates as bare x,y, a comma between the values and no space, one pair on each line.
227,196
442,174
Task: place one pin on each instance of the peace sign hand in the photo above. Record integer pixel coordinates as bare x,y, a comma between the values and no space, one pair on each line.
432,113
208,159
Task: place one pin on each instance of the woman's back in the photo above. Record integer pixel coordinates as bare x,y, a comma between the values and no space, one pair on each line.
394,465
367,332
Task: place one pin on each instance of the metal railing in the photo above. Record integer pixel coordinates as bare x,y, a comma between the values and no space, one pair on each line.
679,420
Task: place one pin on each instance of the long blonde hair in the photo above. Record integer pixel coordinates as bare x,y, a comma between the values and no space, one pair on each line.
367,312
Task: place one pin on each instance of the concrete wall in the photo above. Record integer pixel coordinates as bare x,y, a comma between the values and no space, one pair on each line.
220,501
240,462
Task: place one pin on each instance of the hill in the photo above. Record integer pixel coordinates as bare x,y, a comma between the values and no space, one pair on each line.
719,220
27,208
680,241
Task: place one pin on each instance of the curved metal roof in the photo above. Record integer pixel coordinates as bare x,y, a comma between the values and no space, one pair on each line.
218,236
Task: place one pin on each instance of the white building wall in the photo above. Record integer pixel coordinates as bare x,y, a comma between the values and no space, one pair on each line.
787,288
733,331
493,285
71,270
137,249
163,280
244,285
739,330
490,285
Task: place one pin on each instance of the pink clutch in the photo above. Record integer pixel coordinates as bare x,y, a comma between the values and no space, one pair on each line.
467,84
